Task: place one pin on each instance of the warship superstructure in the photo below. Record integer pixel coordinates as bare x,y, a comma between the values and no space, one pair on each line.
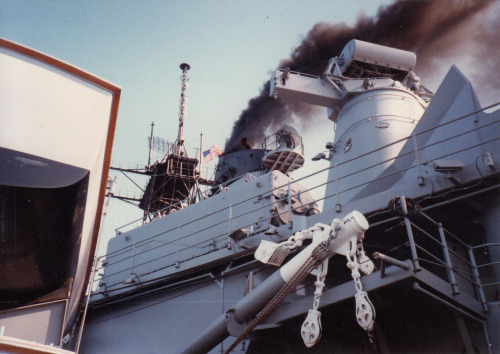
403,256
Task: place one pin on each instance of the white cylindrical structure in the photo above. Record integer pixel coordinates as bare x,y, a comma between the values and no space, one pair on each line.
368,128
359,52
352,226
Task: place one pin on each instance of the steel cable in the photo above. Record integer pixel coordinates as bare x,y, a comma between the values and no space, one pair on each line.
319,254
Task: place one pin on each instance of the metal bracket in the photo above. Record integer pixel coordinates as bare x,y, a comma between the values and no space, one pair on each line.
386,259
234,327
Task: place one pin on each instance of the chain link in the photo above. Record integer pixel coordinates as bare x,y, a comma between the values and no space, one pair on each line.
365,311
319,254
320,283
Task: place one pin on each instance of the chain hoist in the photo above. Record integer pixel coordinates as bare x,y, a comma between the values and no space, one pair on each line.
340,237
365,311
357,261
311,328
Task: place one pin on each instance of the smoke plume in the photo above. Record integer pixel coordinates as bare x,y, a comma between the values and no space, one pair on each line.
441,33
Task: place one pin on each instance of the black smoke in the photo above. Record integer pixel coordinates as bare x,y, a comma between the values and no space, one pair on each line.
437,31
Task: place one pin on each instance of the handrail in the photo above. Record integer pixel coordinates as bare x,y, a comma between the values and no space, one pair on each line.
424,255
205,243
371,166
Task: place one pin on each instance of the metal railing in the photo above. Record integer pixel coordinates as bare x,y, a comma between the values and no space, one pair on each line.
272,142
185,250
429,245
490,265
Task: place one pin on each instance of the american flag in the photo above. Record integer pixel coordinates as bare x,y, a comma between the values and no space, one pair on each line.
213,152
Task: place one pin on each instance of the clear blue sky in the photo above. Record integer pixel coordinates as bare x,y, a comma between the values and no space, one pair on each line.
232,46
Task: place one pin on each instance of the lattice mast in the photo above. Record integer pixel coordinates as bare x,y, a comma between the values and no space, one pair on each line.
175,180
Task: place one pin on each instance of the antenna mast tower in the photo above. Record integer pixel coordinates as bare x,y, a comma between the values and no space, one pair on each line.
174,181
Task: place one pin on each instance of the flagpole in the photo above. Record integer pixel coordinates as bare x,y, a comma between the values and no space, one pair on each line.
201,149
150,145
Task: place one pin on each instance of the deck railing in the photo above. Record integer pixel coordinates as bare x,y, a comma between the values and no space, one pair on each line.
220,240
431,246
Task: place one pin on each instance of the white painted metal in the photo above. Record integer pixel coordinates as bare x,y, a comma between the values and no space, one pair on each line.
365,125
51,113
371,53
350,228
60,113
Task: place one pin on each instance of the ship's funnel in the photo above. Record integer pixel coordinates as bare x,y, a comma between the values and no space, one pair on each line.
375,100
